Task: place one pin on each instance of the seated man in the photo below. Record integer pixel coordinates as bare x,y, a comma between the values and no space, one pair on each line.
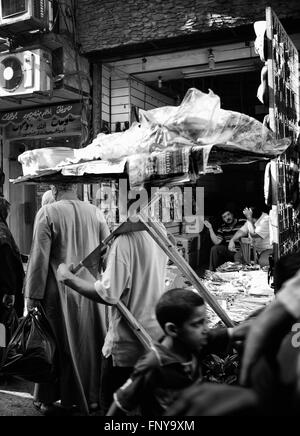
257,228
220,252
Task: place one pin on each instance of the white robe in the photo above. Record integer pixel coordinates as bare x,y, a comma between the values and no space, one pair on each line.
67,231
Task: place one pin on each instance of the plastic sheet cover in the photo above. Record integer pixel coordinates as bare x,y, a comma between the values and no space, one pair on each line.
174,140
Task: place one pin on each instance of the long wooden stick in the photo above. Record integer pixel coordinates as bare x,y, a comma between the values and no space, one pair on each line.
137,329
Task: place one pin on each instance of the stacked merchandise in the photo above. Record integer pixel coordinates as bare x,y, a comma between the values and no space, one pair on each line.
240,293
188,246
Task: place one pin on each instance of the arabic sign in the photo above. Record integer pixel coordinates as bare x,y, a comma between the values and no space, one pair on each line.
43,127
48,120
41,113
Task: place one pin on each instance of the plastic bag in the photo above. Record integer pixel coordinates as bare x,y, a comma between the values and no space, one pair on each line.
10,320
31,352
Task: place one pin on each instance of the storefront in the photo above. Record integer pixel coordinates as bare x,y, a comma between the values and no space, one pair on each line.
266,89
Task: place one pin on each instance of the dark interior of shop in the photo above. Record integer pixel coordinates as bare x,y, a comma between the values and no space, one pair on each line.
241,185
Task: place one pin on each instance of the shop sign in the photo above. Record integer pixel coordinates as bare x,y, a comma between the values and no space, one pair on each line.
58,119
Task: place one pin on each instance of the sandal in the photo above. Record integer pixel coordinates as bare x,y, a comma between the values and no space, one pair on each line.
37,405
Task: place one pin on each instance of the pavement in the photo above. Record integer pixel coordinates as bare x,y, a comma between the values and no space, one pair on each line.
16,397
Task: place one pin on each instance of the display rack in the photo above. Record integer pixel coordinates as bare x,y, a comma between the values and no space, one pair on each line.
283,95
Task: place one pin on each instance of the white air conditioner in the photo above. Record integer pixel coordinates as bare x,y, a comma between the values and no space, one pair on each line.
17,16
25,73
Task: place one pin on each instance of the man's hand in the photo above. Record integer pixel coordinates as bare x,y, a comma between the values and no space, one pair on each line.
240,332
207,224
231,245
8,301
248,213
64,272
31,303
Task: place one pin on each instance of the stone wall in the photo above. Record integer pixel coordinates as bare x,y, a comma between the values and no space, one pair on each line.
108,24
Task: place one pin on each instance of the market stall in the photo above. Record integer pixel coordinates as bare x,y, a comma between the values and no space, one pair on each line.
241,291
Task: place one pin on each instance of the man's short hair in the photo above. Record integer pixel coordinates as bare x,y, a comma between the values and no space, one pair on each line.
176,306
65,186
229,207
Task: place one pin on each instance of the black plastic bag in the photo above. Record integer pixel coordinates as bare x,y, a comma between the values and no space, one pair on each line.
10,320
31,351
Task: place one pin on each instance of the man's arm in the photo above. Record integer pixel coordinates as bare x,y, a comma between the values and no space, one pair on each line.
38,266
83,287
243,231
259,232
115,279
215,238
219,339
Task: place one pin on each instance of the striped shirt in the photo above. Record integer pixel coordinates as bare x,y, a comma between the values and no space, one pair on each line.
227,231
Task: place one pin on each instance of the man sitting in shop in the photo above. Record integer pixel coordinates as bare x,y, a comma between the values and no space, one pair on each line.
220,252
257,229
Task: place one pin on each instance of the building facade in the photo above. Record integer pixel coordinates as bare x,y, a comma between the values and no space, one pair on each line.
104,60
45,96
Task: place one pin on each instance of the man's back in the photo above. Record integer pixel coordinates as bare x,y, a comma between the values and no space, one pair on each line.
64,231
135,274
77,227
67,231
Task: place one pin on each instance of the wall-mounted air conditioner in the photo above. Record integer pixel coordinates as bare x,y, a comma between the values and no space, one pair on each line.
17,16
25,73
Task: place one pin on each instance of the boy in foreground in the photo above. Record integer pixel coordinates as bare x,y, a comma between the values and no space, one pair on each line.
175,363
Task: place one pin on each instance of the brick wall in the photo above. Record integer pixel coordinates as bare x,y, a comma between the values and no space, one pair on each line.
107,24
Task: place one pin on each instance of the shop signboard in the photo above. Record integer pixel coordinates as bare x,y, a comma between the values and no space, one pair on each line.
50,120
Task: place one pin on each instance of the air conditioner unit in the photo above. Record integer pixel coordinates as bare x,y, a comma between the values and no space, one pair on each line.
25,73
17,16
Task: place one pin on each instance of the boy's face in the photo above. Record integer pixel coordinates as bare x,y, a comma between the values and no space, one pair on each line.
193,332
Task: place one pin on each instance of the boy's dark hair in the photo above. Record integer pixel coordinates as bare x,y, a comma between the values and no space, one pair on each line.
176,306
